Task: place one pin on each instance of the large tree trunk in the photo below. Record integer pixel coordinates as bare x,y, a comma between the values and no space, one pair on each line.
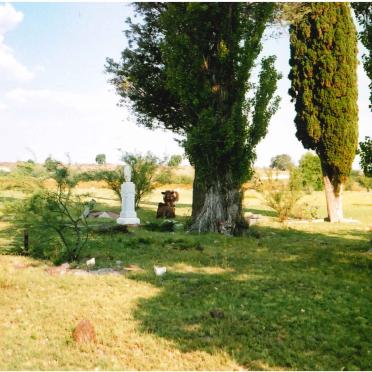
221,210
198,195
334,199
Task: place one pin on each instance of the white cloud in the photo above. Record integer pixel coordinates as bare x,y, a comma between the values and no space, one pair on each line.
9,18
9,66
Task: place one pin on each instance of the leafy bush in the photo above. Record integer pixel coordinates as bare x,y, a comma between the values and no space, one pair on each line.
311,172
305,211
357,181
113,178
365,153
282,200
280,196
51,164
175,160
365,182
55,221
143,173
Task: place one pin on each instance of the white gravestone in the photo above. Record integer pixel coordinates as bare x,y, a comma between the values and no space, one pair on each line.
128,215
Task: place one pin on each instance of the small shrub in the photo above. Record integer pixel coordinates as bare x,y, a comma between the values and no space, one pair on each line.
143,173
51,164
175,160
113,178
365,182
281,197
55,221
305,211
311,172
282,200
164,176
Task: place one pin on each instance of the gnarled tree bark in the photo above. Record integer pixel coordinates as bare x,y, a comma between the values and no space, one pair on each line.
221,210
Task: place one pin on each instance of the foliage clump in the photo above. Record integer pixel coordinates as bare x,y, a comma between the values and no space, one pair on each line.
311,172
52,224
143,167
100,159
365,153
282,162
281,197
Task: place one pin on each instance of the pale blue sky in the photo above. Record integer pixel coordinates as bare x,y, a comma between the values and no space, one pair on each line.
55,99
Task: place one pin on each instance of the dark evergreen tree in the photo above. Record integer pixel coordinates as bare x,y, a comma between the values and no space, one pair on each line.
363,12
188,70
324,87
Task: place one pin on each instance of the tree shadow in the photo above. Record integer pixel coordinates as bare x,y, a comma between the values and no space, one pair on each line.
178,205
281,299
263,212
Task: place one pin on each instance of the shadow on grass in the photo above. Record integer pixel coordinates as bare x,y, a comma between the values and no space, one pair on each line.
178,205
282,299
277,298
263,212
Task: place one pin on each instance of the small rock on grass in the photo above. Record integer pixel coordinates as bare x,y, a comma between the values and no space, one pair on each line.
104,271
84,332
217,314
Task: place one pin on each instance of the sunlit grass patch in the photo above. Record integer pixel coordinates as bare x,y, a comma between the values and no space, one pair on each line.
184,268
284,296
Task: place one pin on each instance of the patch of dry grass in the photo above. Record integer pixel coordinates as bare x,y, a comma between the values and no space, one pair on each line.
38,314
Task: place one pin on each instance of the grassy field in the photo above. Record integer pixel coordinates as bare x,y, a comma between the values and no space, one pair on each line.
285,296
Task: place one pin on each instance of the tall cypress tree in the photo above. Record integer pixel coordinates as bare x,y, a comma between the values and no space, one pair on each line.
363,12
324,87
201,57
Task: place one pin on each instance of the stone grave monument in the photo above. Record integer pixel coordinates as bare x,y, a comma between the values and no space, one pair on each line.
128,215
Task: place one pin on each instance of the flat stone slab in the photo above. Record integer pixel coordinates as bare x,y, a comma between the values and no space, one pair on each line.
104,271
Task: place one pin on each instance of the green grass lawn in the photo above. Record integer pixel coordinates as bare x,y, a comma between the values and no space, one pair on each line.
286,296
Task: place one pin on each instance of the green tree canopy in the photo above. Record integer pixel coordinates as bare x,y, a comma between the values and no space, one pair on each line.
324,87
282,162
101,159
175,160
198,58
